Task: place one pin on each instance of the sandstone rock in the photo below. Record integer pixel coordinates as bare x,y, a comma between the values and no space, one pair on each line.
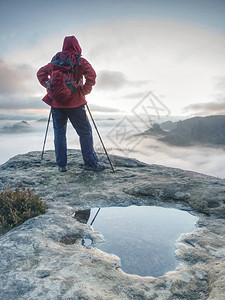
44,259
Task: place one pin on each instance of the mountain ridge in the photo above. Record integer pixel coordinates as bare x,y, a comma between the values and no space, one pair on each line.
208,130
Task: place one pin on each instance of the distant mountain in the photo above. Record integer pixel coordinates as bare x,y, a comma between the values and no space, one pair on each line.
155,130
197,130
168,125
43,120
19,127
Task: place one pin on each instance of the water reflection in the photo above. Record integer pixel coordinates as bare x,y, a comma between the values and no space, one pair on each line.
82,215
143,237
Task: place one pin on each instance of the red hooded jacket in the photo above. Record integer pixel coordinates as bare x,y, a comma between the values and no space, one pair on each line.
71,45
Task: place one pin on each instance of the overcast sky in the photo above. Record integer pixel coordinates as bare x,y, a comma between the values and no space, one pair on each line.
174,48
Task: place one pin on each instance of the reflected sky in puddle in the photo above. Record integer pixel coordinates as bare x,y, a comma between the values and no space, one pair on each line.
143,237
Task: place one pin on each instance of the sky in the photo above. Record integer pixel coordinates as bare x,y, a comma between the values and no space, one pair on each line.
174,49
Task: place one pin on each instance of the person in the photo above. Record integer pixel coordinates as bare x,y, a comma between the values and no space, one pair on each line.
74,109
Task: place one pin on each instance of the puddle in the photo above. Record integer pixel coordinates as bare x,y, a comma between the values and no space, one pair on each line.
143,237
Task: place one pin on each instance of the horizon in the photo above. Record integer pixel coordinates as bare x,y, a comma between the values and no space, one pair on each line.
118,134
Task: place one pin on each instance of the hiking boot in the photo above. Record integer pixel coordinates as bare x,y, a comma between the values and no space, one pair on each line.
62,169
96,168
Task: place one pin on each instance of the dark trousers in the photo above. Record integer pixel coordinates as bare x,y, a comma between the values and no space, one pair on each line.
80,122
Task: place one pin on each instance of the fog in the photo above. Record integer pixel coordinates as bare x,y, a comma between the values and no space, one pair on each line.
120,135
204,160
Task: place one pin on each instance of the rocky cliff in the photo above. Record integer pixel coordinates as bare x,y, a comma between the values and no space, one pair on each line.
42,260
208,131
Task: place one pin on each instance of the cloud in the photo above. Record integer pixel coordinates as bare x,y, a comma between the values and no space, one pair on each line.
207,108
98,108
220,84
11,103
114,80
8,104
199,159
216,107
111,80
15,79
138,95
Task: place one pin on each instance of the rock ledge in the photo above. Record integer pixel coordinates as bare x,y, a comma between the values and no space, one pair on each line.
41,260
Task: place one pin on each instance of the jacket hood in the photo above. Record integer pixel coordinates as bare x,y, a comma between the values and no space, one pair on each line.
71,45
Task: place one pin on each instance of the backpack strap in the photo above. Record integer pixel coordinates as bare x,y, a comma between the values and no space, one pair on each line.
78,58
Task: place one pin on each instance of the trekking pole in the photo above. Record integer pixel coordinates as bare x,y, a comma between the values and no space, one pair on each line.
46,133
112,168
